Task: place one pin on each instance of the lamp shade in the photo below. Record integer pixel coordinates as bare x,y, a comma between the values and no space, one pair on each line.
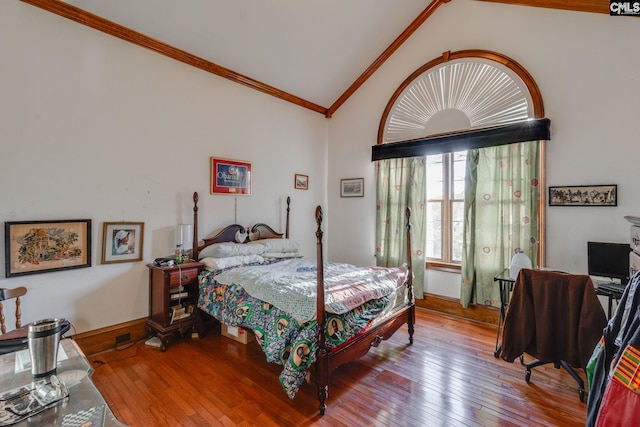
184,236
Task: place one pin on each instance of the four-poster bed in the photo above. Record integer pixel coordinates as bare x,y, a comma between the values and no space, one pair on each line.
247,286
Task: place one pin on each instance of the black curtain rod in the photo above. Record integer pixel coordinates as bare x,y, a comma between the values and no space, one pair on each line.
530,130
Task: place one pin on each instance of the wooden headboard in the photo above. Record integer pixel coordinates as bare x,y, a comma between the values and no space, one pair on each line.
235,232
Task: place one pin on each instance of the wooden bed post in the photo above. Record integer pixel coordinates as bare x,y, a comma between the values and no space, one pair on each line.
322,361
194,250
286,230
411,312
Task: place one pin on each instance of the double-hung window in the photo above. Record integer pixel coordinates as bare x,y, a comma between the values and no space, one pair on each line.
445,209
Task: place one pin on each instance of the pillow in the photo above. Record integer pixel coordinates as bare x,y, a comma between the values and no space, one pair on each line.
227,249
281,255
277,245
221,263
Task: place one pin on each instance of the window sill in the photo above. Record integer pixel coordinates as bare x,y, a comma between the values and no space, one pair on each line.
443,266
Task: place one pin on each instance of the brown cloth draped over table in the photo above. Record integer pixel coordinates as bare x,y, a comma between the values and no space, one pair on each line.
553,317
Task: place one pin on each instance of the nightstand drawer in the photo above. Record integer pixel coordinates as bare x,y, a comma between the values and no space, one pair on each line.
178,277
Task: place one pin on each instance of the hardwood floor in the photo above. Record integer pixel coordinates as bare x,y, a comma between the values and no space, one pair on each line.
448,377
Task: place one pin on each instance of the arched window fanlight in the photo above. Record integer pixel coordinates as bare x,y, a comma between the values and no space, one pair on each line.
462,100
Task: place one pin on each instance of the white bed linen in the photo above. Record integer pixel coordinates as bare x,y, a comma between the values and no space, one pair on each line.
290,285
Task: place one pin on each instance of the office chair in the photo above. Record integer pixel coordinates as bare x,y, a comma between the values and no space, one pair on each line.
554,317
16,339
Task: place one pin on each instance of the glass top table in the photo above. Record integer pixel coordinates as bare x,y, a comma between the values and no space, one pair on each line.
67,399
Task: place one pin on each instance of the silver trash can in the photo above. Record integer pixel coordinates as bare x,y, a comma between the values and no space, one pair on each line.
44,338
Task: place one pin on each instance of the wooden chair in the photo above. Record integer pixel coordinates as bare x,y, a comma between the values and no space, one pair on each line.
7,294
14,339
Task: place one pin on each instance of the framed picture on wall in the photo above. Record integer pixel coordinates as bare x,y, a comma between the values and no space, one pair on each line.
584,195
301,182
122,242
230,177
352,187
33,247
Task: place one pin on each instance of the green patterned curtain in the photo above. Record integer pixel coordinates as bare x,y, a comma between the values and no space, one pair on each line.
501,216
401,183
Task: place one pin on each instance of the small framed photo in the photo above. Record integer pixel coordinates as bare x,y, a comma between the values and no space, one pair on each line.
230,177
584,195
33,247
122,242
301,182
352,187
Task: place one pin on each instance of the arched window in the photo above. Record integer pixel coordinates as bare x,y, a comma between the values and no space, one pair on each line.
464,101
460,91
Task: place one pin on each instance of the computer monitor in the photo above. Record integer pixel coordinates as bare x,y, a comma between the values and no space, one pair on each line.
608,260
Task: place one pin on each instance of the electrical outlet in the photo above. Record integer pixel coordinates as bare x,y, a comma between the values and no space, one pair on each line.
123,338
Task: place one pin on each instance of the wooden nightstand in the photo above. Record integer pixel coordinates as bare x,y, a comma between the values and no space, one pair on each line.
173,299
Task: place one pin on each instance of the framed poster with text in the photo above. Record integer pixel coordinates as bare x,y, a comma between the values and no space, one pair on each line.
230,177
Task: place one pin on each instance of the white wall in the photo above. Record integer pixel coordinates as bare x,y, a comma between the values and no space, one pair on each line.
586,66
94,127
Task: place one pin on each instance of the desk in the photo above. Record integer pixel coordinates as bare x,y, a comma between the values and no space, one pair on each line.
611,295
506,286
85,403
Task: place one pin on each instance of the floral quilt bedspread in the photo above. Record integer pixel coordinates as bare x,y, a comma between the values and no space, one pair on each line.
290,284
283,339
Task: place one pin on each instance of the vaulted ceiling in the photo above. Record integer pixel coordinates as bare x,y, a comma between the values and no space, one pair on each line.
314,53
